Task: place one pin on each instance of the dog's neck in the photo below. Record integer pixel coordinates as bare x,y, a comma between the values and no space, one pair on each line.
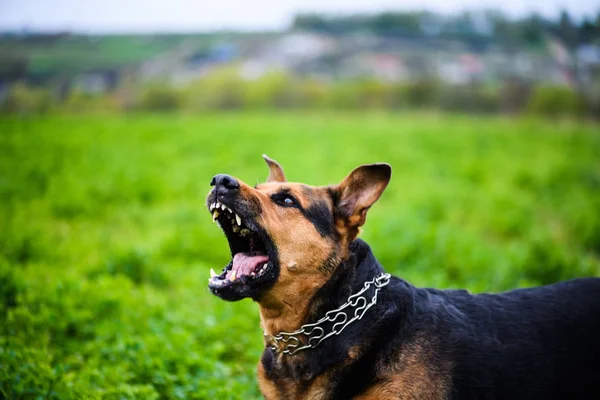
349,277
287,315
278,315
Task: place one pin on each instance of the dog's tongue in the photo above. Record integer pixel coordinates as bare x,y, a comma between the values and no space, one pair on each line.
245,263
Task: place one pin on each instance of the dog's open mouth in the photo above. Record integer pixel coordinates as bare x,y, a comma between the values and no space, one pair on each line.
252,266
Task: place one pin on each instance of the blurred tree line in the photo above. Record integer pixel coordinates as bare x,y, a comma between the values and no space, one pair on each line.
224,89
477,28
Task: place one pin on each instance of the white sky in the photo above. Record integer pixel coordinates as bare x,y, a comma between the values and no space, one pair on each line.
198,15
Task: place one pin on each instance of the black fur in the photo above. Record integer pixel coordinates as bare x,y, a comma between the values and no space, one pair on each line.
539,343
320,215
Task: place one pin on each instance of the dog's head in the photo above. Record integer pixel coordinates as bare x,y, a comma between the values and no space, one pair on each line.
287,238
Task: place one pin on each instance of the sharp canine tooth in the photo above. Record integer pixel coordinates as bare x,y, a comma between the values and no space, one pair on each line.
238,220
223,207
212,273
232,276
230,210
215,215
217,204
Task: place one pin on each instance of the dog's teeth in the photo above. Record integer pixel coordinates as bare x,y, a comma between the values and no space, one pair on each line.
229,209
232,276
212,273
223,207
236,228
238,220
215,215
211,207
218,205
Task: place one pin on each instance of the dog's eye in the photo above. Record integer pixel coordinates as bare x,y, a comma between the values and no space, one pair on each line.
285,201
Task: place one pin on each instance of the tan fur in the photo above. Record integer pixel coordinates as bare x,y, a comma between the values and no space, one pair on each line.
275,171
267,387
290,390
318,389
414,375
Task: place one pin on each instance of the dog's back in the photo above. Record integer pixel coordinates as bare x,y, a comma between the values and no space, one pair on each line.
528,343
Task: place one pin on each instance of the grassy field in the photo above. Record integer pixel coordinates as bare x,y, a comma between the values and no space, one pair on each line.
70,54
105,245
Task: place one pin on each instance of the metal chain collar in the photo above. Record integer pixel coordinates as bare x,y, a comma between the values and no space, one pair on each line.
315,334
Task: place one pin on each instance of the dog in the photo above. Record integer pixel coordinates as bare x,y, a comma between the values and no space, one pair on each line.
336,326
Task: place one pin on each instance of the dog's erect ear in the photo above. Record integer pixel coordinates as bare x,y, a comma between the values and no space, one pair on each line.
275,170
359,190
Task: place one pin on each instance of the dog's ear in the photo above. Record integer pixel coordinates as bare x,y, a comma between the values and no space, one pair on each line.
359,190
275,170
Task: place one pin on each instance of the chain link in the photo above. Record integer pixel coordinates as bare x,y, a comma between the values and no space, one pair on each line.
315,333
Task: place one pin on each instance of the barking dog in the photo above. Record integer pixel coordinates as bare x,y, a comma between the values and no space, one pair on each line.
336,326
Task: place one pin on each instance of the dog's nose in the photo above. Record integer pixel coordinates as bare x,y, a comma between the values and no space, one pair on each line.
224,184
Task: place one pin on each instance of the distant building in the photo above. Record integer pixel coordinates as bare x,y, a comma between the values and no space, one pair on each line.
96,82
187,63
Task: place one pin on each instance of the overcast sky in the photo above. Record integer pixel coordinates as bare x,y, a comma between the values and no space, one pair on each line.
195,15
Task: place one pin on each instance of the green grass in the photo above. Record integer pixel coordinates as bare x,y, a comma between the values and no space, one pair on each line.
73,54
77,54
105,245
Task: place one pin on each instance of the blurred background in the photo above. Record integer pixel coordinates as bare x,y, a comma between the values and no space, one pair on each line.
517,57
114,115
